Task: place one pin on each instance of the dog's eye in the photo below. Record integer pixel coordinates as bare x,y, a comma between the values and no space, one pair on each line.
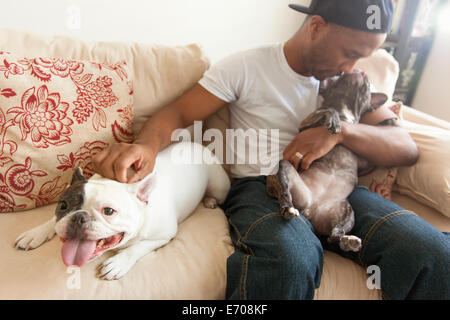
62,205
108,211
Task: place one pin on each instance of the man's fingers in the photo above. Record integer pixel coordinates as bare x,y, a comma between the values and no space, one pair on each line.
135,177
144,169
123,163
295,161
307,161
98,158
138,175
289,152
104,161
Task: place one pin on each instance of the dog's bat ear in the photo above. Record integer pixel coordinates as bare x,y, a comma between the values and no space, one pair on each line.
78,176
377,100
143,188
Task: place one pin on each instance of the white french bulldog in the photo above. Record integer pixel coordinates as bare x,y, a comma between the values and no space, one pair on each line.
97,215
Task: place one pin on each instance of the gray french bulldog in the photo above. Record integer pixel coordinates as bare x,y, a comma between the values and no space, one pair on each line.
320,193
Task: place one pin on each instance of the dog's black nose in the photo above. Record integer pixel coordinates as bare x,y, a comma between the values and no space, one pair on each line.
80,218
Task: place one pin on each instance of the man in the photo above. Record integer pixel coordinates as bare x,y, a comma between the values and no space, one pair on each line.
275,87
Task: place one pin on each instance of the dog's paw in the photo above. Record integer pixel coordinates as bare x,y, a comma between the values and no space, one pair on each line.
333,127
350,243
115,267
289,212
34,238
210,203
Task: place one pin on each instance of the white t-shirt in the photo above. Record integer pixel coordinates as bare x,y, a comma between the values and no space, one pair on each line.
266,96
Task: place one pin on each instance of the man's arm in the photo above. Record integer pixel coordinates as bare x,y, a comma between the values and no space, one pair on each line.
114,162
195,104
386,146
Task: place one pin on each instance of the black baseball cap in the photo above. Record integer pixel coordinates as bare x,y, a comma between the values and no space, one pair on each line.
367,15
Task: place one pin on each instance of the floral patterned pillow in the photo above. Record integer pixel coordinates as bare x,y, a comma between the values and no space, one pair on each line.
55,114
381,180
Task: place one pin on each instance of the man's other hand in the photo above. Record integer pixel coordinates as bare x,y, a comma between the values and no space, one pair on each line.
312,144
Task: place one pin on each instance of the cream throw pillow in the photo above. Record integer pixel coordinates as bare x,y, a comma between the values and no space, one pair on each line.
428,181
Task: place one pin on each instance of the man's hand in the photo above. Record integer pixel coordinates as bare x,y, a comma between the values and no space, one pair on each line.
130,163
125,162
313,144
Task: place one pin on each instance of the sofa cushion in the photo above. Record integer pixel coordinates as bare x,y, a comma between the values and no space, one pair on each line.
428,181
54,115
382,70
191,266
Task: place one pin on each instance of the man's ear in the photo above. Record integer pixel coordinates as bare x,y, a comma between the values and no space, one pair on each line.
78,176
143,188
317,25
377,100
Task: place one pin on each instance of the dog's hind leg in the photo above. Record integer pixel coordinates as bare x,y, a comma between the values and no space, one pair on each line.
290,190
345,225
277,187
218,186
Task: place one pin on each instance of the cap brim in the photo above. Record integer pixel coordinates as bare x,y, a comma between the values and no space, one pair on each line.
299,8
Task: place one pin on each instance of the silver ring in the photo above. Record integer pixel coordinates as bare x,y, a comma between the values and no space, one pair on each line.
299,155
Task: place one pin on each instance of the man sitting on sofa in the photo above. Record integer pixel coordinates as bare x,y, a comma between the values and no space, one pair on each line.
276,86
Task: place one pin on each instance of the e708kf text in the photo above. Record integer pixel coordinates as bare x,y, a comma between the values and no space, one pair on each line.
247,309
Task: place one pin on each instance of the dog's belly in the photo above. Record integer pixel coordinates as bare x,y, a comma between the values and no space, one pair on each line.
332,176
330,179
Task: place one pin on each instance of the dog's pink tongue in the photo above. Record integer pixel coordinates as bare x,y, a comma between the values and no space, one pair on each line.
77,252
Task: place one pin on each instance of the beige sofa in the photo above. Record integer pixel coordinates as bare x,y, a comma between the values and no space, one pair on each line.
193,265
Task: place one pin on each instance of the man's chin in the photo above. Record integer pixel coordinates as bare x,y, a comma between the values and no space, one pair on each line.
318,77
324,75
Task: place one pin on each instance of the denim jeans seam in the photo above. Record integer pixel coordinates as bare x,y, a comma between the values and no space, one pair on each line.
301,219
243,282
375,227
385,296
239,243
253,226
239,236
259,221
361,186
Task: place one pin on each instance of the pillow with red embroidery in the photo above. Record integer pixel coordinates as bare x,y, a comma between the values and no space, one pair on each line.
55,114
381,180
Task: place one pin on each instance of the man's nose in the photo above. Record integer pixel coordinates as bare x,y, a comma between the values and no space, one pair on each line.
357,70
349,67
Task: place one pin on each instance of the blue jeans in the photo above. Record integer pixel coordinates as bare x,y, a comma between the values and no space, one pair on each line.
280,259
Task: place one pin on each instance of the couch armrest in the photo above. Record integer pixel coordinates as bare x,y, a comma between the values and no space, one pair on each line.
419,117
428,181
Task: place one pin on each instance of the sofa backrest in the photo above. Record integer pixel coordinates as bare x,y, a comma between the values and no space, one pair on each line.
163,73
160,73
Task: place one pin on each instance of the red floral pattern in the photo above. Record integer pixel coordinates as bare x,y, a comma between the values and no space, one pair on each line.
11,69
44,117
81,158
8,92
384,187
19,178
49,191
45,104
